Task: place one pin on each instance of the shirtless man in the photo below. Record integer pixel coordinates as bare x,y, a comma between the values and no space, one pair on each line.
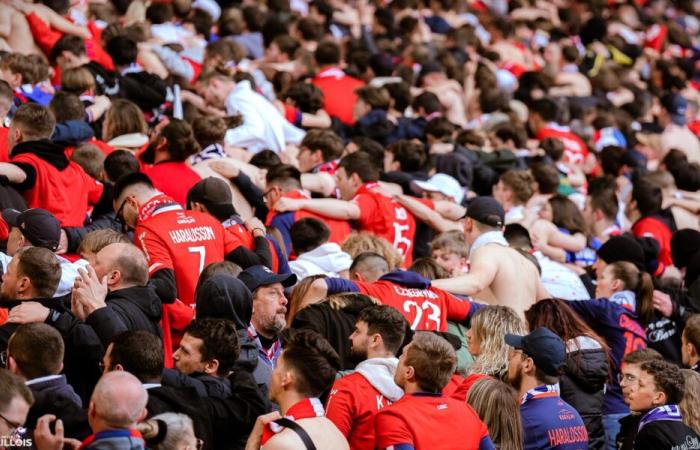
306,368
499,274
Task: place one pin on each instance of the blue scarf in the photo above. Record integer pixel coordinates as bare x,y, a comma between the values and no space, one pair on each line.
665,412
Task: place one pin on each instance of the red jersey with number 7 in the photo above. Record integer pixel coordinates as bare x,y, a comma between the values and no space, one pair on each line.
386,218
183,241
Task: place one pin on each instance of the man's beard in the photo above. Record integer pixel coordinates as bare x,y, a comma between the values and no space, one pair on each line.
358,355
275,324
517,381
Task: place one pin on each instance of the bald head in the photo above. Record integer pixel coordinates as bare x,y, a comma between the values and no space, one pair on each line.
127,260
119,401
368,267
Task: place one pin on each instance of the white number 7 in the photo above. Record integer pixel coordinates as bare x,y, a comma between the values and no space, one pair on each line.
202,255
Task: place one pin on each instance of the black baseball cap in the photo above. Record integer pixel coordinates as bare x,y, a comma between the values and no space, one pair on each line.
211,191
40,227
486,210
544,347
257,276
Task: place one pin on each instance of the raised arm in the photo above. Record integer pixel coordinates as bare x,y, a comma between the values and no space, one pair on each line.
482,273
328,207
450,210
423,213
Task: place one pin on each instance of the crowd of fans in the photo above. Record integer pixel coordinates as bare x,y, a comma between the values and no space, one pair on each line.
329,224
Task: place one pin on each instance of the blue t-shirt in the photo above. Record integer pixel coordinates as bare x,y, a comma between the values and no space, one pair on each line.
551,423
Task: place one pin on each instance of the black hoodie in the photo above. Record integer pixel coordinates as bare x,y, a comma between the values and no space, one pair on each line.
45,149
225,297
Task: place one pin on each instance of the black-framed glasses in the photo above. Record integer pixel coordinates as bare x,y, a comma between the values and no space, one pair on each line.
15,428
120,210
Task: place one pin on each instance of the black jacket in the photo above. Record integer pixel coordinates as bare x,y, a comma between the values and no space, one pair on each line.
135,308
59,304
336,324
582,386
205,385
148,91
666,435
129,309
57,397
222,423
628,431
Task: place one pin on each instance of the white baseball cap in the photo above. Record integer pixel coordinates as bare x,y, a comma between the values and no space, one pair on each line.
209,6
443,184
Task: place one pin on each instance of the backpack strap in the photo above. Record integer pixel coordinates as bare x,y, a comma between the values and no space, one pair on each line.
295,427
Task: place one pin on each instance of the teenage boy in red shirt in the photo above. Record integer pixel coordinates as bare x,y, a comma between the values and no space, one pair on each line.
424,418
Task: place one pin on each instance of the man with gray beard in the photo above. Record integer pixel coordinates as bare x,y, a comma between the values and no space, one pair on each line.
269,310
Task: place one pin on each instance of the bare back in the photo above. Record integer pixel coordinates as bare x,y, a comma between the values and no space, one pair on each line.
322,432
516,282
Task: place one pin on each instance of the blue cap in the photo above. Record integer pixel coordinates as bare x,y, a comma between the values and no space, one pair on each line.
544,347
256,276
676,106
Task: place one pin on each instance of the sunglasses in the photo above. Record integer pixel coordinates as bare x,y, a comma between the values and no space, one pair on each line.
120,216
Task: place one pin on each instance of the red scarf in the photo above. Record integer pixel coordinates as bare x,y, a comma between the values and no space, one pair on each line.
155,204
304,409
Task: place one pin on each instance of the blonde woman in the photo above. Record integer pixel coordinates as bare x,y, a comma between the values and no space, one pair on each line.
691,399
495,403
485,339
485,342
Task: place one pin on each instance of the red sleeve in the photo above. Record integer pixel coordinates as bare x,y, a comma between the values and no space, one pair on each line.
44,35
232,240
390,429
367,209
340,409
95,189
155,249
457,310
4,230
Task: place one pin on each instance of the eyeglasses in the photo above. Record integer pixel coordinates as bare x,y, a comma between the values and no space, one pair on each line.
3,358
16,429
627,377
120,210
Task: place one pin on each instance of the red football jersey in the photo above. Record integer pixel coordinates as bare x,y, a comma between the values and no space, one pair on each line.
430,421
425,309
338,92
575,150
386,218
352,405
184,241
64,193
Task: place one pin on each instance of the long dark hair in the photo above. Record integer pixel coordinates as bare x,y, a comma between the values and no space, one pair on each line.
558,317
565,214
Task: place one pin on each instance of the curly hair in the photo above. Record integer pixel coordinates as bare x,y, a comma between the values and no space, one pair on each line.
667,378
489,327
691,399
